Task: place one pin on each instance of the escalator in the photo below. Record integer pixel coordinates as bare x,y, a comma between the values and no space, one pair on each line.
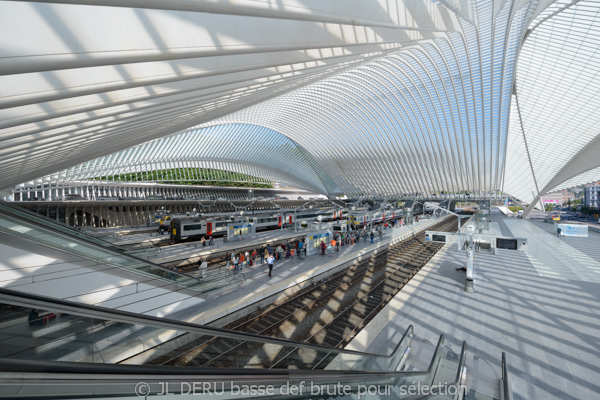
28,227
78,354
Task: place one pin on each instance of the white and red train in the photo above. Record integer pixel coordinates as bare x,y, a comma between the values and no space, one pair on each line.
184,228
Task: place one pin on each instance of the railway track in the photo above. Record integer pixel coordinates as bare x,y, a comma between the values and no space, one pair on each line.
330,313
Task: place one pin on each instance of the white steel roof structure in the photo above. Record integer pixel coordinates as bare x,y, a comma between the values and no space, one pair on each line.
350,96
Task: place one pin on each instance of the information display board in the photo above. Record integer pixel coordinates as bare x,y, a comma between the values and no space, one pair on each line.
240,230
578,230
313,241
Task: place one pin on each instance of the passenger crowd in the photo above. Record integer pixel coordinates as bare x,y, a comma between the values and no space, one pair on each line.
266,254
272,253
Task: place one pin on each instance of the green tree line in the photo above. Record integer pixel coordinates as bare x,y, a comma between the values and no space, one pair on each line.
192,176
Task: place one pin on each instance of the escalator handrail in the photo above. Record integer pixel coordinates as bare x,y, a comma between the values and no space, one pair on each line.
84,368
113,248
52,221
34,301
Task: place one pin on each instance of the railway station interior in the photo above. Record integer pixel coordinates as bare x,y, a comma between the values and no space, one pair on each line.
299,199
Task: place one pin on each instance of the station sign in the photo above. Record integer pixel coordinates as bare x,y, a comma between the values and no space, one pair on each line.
240,226
484,242
319,236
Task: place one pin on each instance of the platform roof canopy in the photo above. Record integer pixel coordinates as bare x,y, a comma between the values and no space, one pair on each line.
362,97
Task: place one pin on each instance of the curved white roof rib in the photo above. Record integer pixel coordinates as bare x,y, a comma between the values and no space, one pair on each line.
349,96
554,139
251,150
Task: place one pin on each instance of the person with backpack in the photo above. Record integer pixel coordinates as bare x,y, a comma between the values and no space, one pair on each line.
558,231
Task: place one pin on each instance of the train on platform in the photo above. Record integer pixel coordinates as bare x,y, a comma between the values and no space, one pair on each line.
183,228
363,218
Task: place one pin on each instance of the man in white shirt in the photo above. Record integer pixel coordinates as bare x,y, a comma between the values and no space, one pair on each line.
270,261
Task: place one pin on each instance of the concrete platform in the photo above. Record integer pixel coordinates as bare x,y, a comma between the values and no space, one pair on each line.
539,307
187,250
256,286
286,274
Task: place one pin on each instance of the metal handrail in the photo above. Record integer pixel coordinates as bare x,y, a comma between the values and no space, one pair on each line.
111,248
459,373
506,390
46,303
111,380
52,221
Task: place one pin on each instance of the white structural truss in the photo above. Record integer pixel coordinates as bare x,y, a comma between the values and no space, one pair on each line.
362,97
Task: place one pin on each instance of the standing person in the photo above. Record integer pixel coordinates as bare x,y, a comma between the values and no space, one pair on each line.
254,253
262,255
237,263
558,231
242,260
233,260
300,245
270,261
210,240
202,267
247,258
277,248
323,247
203,241
372,236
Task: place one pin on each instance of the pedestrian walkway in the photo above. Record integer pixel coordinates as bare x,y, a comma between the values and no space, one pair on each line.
547,324
187,250
286,274
255,287
554,257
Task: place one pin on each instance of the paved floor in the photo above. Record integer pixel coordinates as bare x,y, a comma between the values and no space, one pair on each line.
286,273
112,344
183,251
543,312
